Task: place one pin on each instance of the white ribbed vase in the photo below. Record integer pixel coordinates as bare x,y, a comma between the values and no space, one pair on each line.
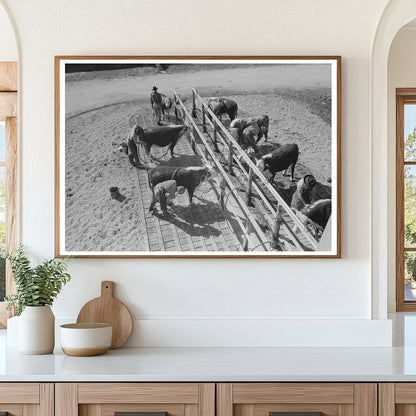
37,330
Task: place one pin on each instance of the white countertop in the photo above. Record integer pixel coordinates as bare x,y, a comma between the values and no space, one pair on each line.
215,364
221,364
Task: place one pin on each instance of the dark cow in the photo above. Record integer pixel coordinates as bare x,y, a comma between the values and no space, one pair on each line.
319,212
188,177
220,106
304,194
161,136
280,159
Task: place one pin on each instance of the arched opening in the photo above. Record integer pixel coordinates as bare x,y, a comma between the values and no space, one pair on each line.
401,123
395,17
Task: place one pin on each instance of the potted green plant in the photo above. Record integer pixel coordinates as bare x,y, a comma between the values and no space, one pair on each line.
36,289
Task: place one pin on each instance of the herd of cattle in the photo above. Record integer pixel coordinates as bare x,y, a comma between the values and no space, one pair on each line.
248,131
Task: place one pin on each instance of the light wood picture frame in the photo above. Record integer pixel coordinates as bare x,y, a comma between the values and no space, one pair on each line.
198,156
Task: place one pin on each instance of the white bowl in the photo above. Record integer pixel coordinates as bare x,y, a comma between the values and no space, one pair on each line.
84,340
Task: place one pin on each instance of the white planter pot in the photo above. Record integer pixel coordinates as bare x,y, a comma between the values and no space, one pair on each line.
37,330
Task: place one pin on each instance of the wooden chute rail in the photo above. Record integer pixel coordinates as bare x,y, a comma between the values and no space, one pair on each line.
287,232
254,238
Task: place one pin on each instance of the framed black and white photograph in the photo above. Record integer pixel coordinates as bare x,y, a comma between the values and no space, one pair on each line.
198,156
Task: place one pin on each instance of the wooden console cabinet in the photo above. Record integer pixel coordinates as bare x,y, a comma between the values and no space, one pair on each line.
208,399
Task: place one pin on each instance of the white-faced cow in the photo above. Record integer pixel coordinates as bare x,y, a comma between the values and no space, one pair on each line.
188,177
282,158
161,136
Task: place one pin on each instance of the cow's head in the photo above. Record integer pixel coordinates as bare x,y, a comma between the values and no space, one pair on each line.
217,106
206,172
138,133
262,164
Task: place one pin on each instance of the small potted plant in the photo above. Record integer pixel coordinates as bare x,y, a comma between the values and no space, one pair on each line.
36,289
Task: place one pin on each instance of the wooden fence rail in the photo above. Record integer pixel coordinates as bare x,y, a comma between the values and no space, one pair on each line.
206,153
239,155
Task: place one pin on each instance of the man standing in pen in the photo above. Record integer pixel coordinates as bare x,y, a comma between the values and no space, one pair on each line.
156,102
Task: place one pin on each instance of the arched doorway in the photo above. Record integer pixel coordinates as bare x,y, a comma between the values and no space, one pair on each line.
396,15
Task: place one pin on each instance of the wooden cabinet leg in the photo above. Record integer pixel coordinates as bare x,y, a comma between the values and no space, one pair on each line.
365,399
224,399
66,399
207,399
386,399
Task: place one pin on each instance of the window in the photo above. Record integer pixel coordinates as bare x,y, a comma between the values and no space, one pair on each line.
406,199
8,171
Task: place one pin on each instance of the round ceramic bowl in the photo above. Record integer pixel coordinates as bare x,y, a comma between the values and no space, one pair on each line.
83,340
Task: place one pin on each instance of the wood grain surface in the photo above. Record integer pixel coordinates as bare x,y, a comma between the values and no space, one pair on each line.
8,105
84,352
109,310
252,393
386,399
110,393
66,399
8,76
365,399
8,109
22,393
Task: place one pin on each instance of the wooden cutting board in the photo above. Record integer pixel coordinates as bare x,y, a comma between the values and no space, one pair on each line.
108,310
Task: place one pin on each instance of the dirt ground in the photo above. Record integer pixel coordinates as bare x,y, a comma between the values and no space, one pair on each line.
98,105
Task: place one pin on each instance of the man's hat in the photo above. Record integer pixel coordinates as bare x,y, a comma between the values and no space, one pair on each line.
154,88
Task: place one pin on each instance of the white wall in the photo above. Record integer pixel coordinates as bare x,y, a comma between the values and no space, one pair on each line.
8,47
401,74
197,302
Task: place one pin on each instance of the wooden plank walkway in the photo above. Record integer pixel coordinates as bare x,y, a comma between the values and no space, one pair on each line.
201,226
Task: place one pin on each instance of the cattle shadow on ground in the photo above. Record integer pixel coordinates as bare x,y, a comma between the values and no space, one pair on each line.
188,220
195,214
182,161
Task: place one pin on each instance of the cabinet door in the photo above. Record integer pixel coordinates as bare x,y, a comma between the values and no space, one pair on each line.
26,399
397,399
142,399
297,399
